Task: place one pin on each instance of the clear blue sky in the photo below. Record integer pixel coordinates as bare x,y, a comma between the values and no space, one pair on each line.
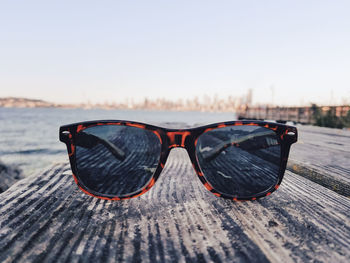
74,51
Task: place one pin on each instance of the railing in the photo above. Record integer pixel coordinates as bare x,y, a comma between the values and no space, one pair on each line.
305,115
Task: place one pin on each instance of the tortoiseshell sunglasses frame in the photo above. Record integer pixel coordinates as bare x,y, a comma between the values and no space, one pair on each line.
184,138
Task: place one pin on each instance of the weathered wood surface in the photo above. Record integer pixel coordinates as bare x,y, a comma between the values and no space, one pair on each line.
323,156
45,218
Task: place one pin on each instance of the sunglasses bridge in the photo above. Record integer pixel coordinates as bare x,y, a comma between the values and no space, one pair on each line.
177,138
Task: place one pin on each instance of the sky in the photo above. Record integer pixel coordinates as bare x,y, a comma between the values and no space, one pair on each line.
287,52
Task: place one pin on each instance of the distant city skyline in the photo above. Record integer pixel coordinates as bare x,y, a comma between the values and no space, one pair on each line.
287,53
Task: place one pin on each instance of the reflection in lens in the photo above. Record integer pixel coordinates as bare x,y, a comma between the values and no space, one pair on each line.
239,161
116,160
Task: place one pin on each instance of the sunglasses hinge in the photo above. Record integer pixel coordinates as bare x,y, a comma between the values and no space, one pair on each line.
64,136
291,137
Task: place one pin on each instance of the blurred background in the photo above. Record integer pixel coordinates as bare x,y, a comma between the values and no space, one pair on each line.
190,62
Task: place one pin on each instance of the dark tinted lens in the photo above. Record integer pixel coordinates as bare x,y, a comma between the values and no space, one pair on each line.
116,160
240,161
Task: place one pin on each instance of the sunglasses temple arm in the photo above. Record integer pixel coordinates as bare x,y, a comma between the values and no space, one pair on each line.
213,153
88,141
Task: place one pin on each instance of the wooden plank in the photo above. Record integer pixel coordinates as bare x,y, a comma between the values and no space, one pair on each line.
323,156
46,218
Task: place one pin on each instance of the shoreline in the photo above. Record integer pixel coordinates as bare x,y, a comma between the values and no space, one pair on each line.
9,174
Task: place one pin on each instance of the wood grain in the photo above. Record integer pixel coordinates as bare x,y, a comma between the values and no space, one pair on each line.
323,156
45,218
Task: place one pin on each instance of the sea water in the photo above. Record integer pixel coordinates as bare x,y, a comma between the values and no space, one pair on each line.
29,136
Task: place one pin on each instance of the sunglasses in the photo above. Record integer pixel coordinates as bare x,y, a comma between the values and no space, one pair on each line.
239,160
